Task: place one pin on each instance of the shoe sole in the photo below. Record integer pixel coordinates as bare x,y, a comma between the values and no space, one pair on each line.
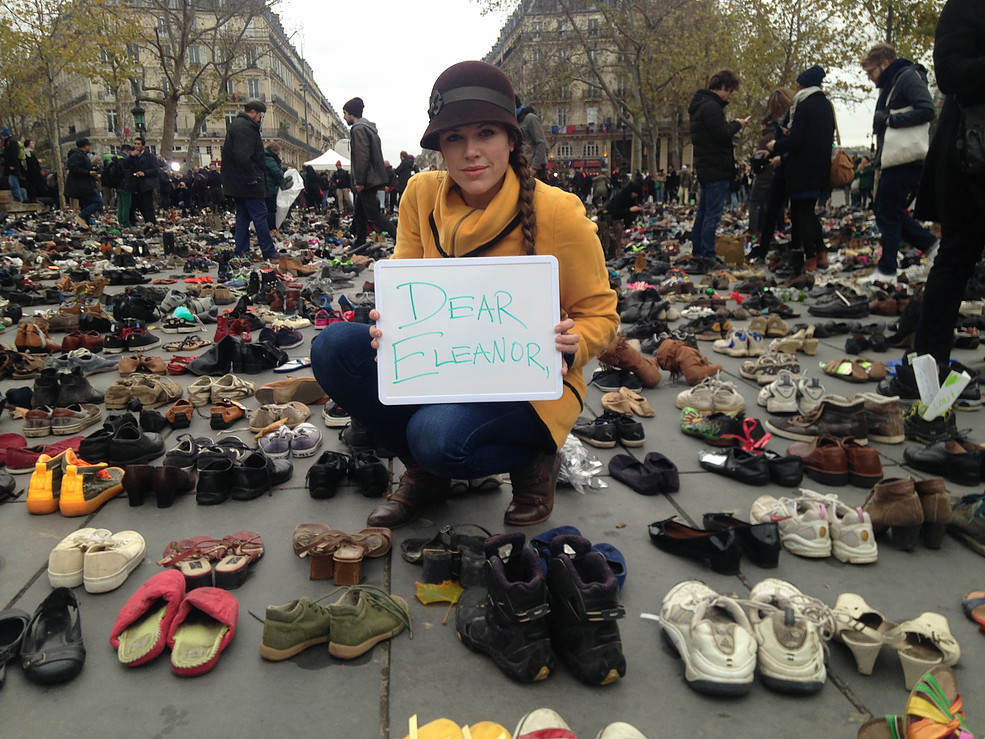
35,432
72,509
112,582
596,443
854,555
279,655
806,548
347,651
303,453
63,430
739,686
144,347
303,392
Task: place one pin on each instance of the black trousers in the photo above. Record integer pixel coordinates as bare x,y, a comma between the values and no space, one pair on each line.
962,243
367,210
773,214
805,227
144,202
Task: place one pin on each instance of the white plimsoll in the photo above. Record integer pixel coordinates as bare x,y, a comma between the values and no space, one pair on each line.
712,635
790,628
810,393
803,523
108,563
65,563
852,538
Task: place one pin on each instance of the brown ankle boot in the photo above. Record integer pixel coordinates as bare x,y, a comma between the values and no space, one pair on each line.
417,490
936,510
533,491
893,504
695,366
620,354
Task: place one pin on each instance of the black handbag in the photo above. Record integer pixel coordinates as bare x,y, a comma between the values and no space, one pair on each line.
971,140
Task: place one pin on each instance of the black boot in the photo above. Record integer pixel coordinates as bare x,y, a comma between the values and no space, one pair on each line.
793,263
75,388
507,622
584,610
45,388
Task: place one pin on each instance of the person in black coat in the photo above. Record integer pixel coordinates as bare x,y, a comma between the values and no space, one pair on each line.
244,178
947,194
146,178
714,158
36,187
82,182
808,167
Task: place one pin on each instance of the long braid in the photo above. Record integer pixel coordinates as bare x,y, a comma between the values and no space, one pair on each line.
528,219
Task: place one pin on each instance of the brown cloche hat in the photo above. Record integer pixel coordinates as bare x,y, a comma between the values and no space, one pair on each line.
467,93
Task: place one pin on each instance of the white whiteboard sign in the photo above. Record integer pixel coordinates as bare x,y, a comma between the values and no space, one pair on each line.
468,330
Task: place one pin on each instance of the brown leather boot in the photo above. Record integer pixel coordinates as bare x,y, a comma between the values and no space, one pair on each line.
936,510
667,356
533,491
695,366
417,490
893,504
620,354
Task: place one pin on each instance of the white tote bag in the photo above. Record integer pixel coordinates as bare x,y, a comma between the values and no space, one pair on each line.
904,145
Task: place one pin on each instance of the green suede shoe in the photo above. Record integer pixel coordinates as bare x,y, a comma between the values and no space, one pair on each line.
363,617
293,627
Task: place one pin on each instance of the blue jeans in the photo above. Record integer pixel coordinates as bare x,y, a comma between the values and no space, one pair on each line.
710,207
255,210
18,192
897,186
90,205
452,440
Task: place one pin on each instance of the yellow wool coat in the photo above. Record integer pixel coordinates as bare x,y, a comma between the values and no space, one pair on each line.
562,230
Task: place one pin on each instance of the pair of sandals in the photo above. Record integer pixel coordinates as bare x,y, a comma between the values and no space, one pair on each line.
934,708
233,556
855,370
336,554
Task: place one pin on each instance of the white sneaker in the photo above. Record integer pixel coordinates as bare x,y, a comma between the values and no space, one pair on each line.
877,276
803,523
788,626
780,396
712,635
107,564
810,393
852,538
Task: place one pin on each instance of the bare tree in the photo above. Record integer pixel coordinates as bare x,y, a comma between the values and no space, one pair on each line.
194,44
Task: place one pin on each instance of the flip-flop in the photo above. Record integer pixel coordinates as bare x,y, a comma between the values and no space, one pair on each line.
203,628
974,607
294,364
846,369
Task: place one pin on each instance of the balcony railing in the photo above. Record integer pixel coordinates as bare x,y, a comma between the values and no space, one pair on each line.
277,100
71,138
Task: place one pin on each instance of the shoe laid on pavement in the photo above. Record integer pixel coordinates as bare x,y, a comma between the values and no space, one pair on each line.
291,628
803,523
713,636
790,628
852,537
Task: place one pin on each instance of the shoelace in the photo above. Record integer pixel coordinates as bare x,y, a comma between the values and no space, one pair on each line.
746,441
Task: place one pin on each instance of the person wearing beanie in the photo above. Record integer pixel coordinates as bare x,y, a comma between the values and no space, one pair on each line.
532,128
904,102
486,203
806,148
81,182
369,175
714,157
244,178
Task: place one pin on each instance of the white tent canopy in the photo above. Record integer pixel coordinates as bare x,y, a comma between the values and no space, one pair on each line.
328,160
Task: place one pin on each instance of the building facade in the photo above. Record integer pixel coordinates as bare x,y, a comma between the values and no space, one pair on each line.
299,117
549,51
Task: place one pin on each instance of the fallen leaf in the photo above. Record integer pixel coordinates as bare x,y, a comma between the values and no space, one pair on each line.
446,592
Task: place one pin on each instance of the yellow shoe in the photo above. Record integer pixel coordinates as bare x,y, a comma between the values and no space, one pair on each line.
86,488
46,482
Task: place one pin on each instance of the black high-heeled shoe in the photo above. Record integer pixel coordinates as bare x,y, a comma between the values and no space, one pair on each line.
760,541
721,549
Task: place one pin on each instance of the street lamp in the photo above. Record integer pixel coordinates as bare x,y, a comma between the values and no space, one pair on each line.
304,92
139,118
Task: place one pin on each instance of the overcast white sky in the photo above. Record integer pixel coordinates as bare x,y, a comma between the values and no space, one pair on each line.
389,52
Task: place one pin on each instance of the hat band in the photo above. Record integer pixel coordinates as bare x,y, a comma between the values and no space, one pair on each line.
464,94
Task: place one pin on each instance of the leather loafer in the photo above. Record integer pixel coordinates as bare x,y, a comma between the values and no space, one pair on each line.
214,480
823,459
947,459
787,471
257,474
738,464
721,549
369,473
52,649
130,445
760,541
